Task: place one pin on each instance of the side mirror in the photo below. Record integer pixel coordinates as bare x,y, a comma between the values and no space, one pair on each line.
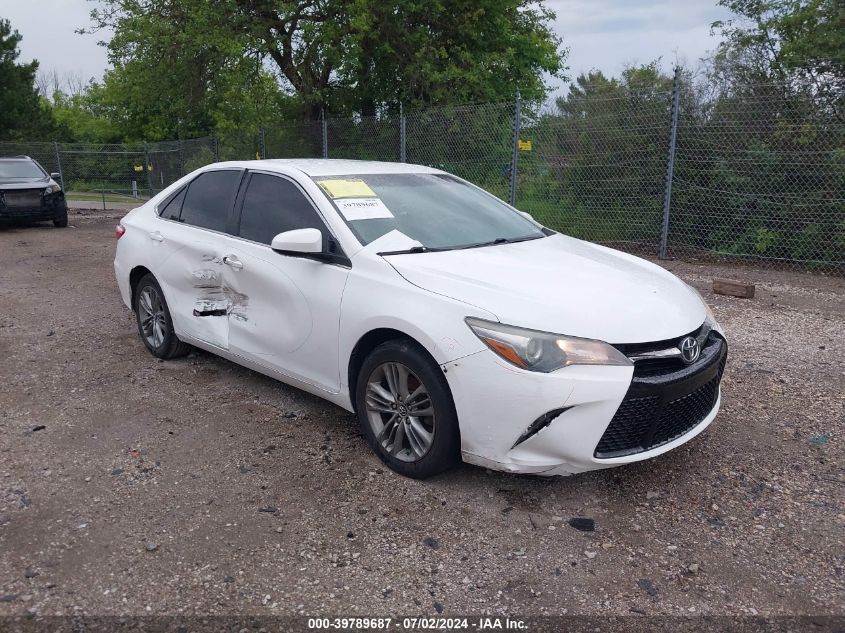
56,176
298,242
528,216
308,244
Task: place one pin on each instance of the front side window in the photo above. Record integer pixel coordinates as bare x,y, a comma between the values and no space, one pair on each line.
209,199
273,205
437,211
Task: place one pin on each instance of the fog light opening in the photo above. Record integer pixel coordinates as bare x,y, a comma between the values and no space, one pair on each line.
539,424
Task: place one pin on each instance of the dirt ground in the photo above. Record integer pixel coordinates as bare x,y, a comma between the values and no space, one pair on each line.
134,486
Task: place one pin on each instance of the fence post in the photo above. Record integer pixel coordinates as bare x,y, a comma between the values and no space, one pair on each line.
325,134
215,149
147,168
515,148
59,164
262,147
403,156
670,166
181,158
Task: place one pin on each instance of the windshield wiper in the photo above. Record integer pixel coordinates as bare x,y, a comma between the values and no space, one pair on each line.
498,240
503,240
417,249
439,249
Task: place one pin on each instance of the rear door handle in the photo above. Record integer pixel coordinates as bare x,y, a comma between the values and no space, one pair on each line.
232,261
155,236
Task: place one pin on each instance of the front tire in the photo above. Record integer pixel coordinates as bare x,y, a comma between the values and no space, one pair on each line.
154,323
60,220
406,411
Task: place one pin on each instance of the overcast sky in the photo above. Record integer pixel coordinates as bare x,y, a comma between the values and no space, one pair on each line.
600,34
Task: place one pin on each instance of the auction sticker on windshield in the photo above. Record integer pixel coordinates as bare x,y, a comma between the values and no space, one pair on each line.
346,188
363,208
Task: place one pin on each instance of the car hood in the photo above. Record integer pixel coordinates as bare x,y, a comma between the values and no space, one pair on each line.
562,285
11,184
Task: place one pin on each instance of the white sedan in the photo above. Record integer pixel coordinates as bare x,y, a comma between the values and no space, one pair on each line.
453,325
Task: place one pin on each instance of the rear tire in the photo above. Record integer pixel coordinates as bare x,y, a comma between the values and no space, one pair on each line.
155,325
406,410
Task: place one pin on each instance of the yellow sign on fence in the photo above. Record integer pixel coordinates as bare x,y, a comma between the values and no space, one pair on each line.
141,167
524,146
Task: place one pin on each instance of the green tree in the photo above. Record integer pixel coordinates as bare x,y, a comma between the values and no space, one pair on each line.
435,52
169,60
798,43
178,64
22,112
768,138
82,117
602,155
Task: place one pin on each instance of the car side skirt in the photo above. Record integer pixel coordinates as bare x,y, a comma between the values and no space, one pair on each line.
341,398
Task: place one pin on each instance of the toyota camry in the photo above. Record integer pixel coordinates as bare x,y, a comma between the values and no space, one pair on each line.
453,325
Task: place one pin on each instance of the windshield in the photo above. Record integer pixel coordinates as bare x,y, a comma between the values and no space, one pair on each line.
424,211
20,169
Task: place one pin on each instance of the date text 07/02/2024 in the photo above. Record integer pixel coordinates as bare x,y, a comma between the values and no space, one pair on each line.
419,623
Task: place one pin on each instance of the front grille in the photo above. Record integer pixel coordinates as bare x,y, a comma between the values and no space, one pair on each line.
680,415
22,198
657,365
632,422
660,408
632,349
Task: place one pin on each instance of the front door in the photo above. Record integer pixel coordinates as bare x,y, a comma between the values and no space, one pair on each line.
292,313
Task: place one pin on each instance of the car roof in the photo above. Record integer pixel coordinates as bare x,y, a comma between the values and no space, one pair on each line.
331,166
21,157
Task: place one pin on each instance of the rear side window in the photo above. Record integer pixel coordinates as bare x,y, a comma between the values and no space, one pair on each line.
209,198
173,208
273,205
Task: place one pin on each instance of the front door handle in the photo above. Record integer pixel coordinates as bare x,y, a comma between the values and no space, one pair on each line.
155,236
234,262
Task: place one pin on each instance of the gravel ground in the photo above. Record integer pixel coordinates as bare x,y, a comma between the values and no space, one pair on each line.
134,486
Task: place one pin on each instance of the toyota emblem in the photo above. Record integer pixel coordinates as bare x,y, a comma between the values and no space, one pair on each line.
689,350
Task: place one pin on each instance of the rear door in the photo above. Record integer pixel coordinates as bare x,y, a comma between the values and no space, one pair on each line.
293,315
194,231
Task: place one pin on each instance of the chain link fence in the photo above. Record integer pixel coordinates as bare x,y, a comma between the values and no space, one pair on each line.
470,141
760,175
102,173
595,168
755,175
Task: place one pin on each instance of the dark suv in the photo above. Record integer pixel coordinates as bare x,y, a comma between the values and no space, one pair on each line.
27,192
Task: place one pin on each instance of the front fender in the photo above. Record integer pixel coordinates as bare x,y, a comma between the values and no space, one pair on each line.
377,297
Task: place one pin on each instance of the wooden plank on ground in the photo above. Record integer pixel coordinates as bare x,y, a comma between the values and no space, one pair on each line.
733,288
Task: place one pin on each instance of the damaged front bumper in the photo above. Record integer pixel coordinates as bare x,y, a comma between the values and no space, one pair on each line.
549,424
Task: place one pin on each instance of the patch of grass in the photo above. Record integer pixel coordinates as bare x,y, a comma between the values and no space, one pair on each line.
93,196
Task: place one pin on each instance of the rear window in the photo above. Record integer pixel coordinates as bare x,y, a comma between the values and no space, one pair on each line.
173,208
209,199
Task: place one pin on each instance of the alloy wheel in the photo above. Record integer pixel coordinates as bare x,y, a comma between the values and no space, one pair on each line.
400,411
153,319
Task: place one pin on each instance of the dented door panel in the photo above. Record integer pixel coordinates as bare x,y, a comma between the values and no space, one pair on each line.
214,296
196,285
293,314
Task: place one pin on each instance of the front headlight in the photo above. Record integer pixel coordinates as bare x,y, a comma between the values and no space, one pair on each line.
52,188
543,351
